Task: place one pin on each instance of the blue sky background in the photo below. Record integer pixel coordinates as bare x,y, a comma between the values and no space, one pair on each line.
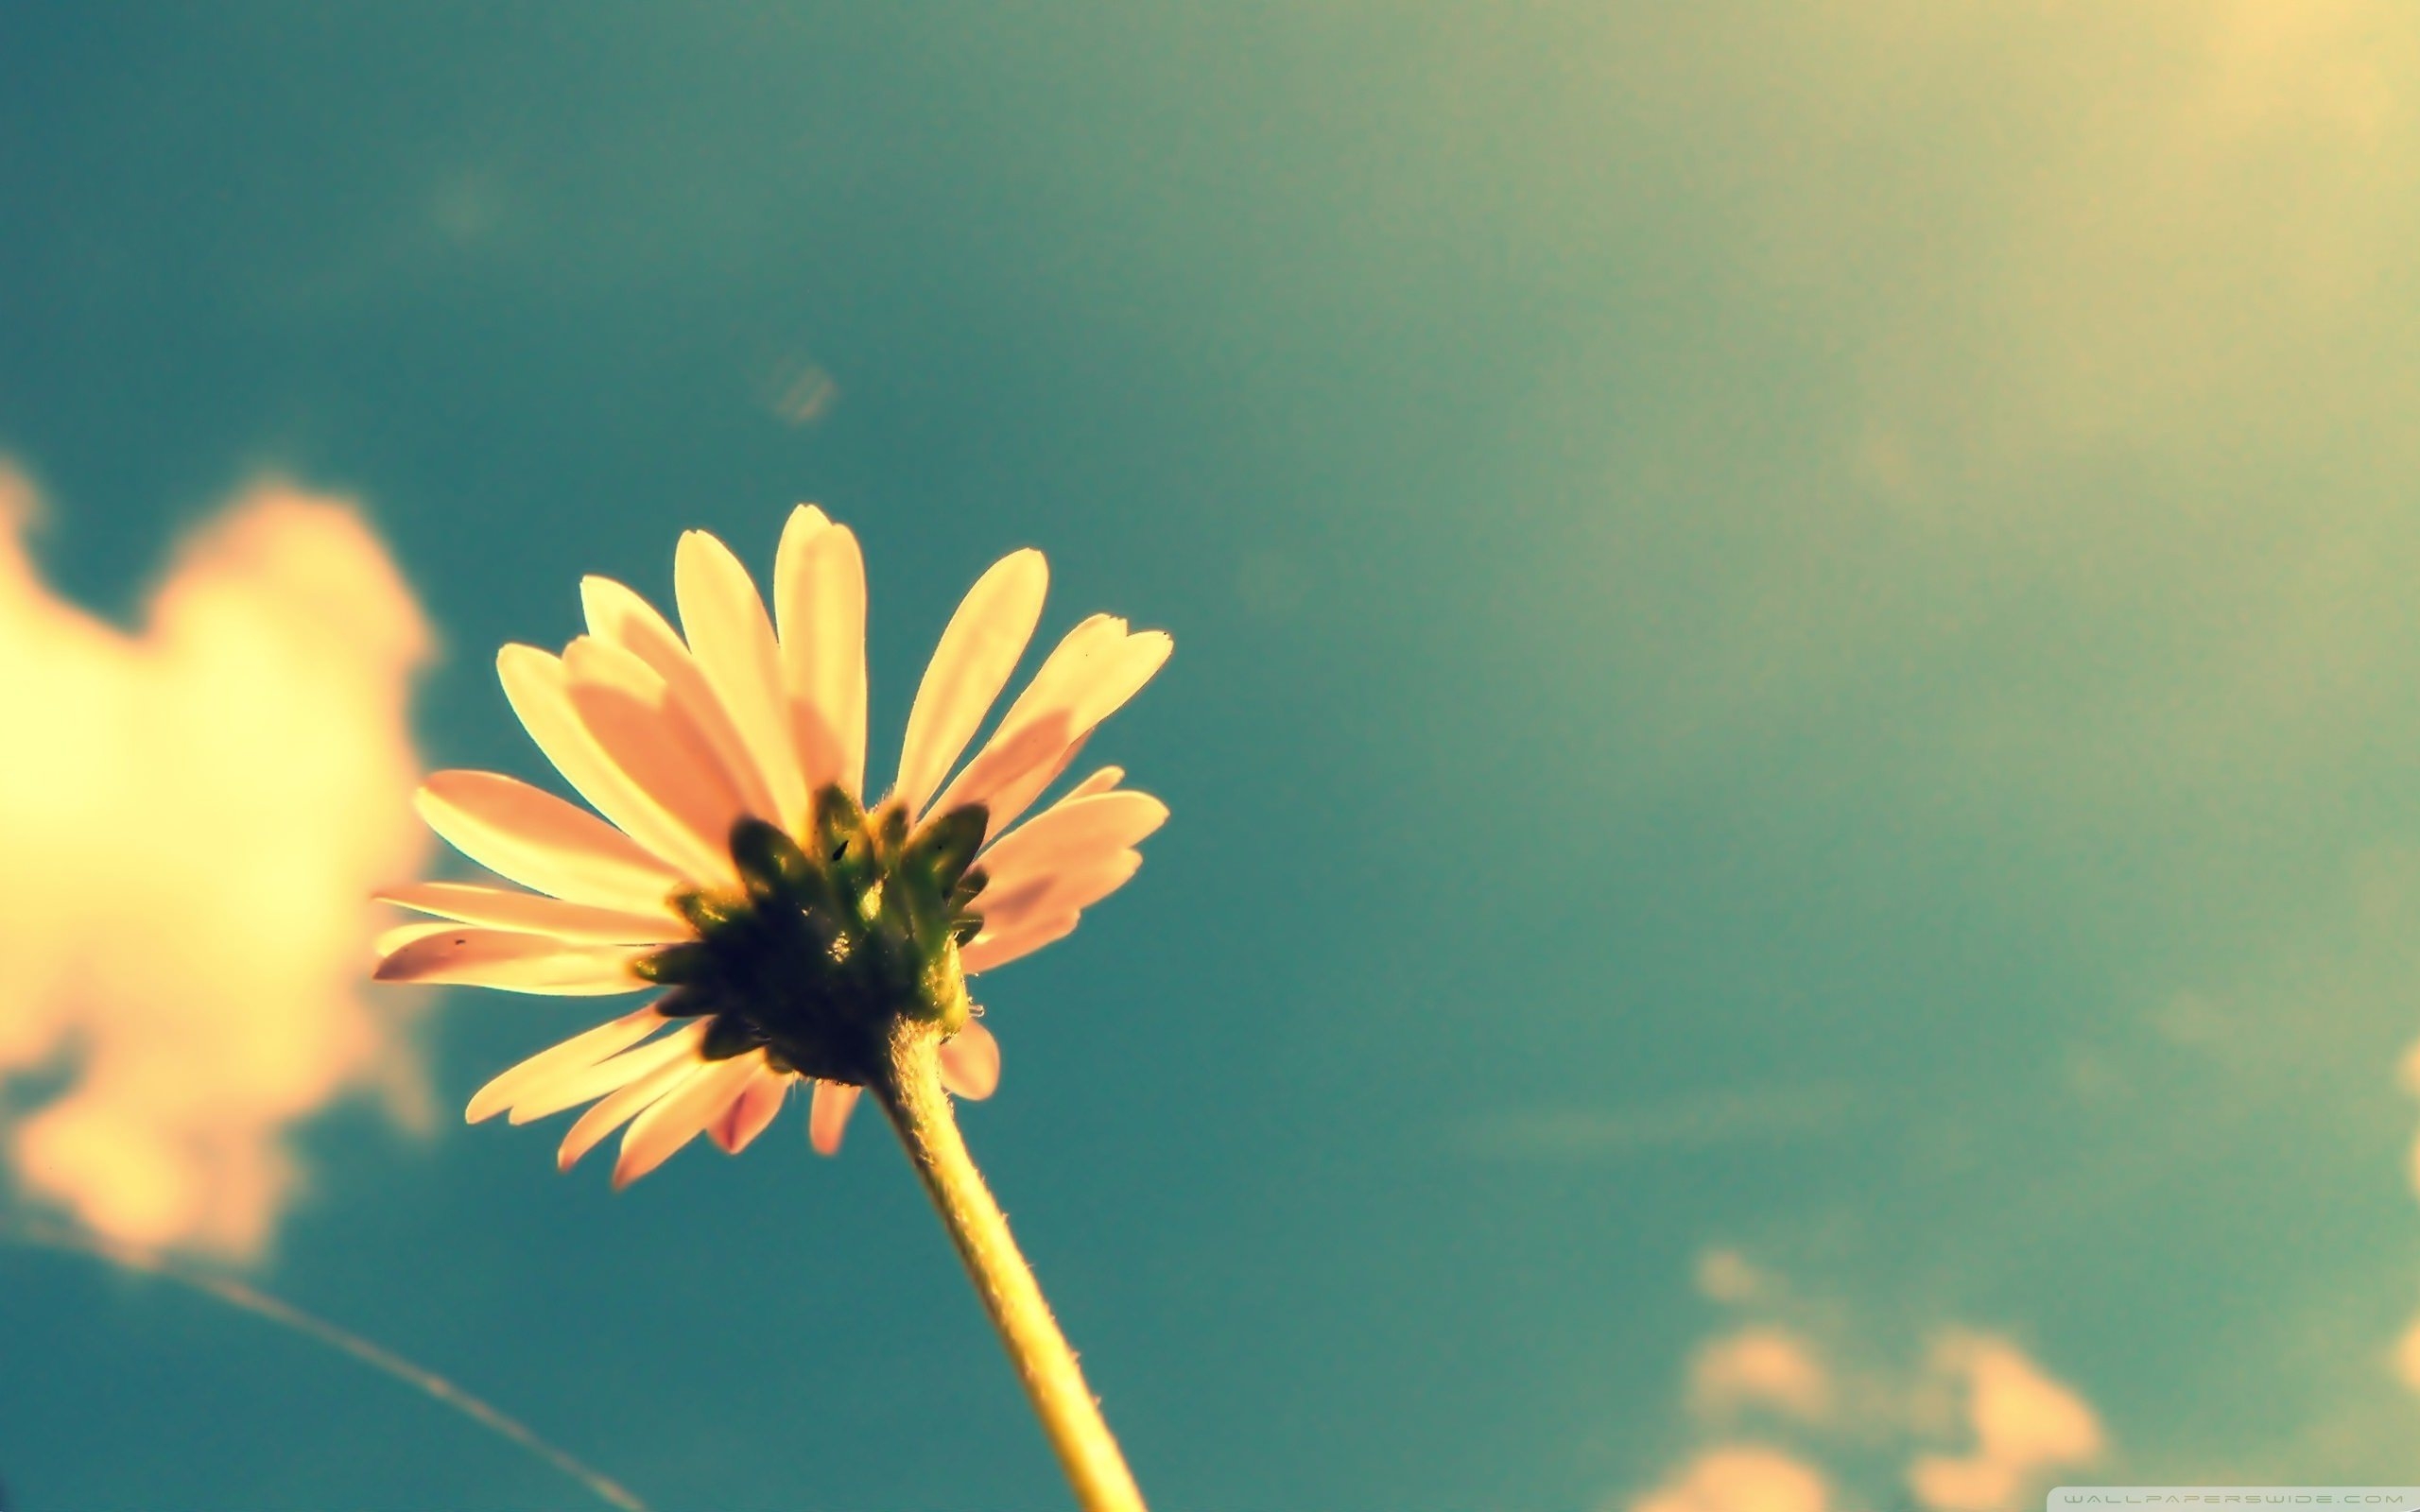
1792,634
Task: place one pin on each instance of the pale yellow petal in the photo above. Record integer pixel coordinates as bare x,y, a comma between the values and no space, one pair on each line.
540,841
754,1110
1073,831
985,955
734,645
820,595
536,914
1013,798
388,942
577,1053
1063,890
1094,671
1121,676
1044,706
620,617
590,1128
828,1118
971,1063
806,523
1099,781
540,689
573,1085
513,962
626,709
1095,639
975,656
681,1115
1033,751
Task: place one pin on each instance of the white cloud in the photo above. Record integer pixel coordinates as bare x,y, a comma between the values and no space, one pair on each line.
1976,1425
193,818
2025,1428
1740,1478
1760,1366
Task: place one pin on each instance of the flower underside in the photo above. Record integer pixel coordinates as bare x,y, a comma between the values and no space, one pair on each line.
834,940
723,855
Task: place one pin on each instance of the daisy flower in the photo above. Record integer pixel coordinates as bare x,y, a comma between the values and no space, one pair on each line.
732,861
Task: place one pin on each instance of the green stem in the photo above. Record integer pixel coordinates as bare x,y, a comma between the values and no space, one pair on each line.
920,1110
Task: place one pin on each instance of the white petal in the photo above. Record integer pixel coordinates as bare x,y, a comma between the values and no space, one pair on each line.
388,942
1033,751
534,913
806,523
754,1110
1093,639
986,954
590,1128
680,1116
1121,676
469,956
828,1119
1045,704
620,617
627,710
820,595
974,660
1065,890
1095,670
1015,796
574,1085
733,642
539,688
540,841
1073,831
1099,781
577,1053
971,1063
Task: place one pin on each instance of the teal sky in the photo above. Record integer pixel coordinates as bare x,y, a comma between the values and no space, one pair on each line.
1794,636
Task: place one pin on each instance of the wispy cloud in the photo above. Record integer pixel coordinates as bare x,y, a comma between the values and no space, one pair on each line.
193,818
1739,1116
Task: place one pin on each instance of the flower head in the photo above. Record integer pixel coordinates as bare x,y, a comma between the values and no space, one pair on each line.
736,864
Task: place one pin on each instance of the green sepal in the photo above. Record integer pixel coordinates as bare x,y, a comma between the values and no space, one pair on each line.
832,937
707,913
695,1001
944,847
771,862
839,820
672,965
730,1035
890,835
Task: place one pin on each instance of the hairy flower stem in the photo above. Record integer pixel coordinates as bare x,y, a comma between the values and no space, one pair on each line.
911,1095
